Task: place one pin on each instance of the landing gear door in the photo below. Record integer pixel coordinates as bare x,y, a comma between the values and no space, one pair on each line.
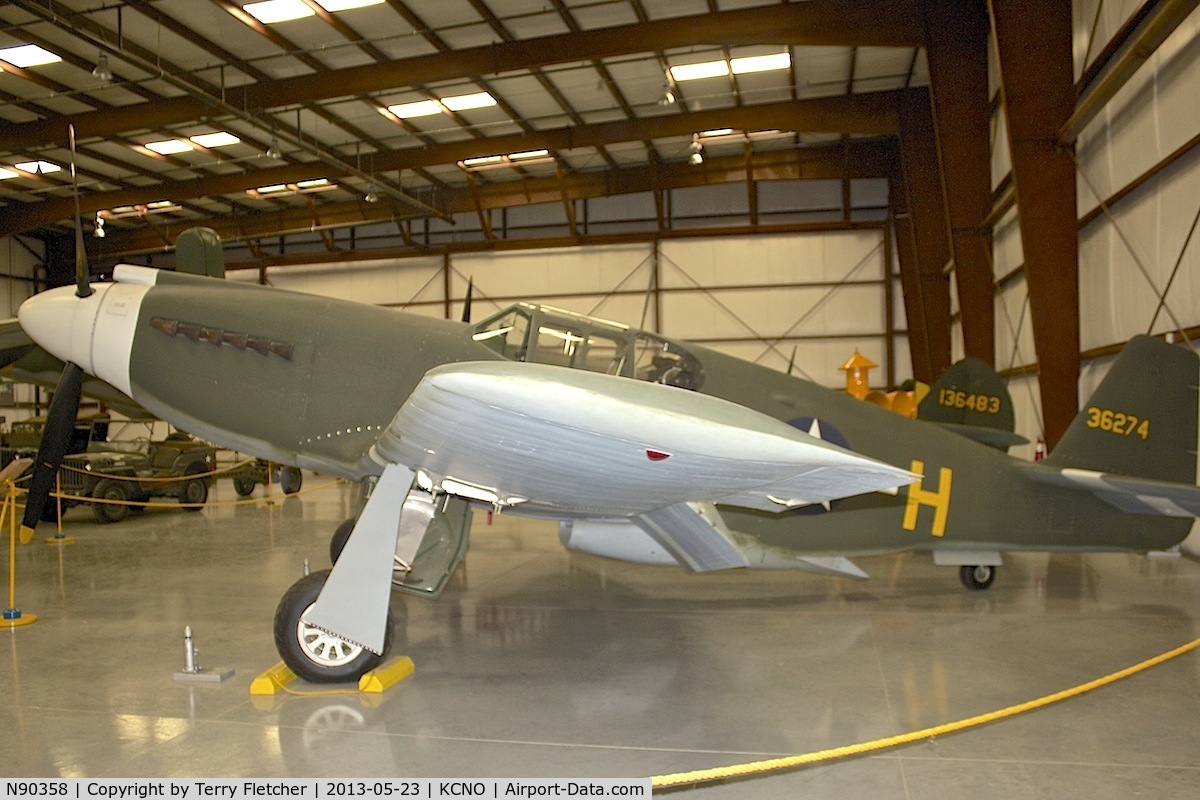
441,550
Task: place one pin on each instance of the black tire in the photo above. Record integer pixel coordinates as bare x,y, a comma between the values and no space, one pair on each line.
290,479
244,486
194,494
978,577
110,490
314,655
338,542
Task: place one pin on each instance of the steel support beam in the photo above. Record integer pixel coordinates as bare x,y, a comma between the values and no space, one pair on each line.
866,158
926,285
889,23
956,35
867,114
547,242
910,285
1133,45
1033,41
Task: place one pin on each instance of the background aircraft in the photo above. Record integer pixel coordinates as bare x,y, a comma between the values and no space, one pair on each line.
707,461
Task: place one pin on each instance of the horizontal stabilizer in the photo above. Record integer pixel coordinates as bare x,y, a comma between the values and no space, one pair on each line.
696,539
838,566
992,437
1131,495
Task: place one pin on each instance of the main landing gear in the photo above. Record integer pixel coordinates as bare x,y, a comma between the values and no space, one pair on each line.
430,544
311,653
978,577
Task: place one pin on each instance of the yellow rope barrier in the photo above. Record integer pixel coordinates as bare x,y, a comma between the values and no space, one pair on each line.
681,779
208,504
216,473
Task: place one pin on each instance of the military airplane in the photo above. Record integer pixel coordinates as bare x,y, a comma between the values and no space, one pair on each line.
645,448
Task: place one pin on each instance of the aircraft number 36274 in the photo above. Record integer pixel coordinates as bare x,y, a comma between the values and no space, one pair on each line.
983,403
1116,422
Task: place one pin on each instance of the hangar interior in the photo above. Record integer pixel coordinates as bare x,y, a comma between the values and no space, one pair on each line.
918,181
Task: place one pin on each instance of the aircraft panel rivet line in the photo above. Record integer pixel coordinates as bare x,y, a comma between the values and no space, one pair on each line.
681,780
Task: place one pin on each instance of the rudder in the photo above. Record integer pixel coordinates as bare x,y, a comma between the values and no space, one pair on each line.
1142,419
972,400
198,252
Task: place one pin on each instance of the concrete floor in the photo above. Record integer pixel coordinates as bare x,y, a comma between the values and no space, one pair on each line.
539,662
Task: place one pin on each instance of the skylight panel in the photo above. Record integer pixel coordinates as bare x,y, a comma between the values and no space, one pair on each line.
5,174
169,147
271,11
346,5
38,167
28,55
704,69
741,66
218,139
464,102
510,159
420,108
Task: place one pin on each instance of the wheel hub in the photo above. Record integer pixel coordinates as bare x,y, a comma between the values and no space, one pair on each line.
324,648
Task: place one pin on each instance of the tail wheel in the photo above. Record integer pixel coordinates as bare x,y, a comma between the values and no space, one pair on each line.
978,577
117,494
311,653
338,542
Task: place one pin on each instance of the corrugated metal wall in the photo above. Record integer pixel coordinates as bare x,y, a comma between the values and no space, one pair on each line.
1154,115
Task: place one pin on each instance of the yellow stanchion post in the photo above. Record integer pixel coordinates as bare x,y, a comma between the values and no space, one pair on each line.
13,617
58,537
269,501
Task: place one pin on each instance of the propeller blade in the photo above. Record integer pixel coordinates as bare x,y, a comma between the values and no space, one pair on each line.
466,317
83,287
60,423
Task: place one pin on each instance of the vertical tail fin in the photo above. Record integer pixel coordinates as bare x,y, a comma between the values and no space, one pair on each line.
198,251
1142,419
972,400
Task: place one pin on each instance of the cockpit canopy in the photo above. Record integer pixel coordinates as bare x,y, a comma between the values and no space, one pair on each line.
545,335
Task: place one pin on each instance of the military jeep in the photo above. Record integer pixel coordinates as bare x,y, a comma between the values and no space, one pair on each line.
134,471
246,477
25,436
